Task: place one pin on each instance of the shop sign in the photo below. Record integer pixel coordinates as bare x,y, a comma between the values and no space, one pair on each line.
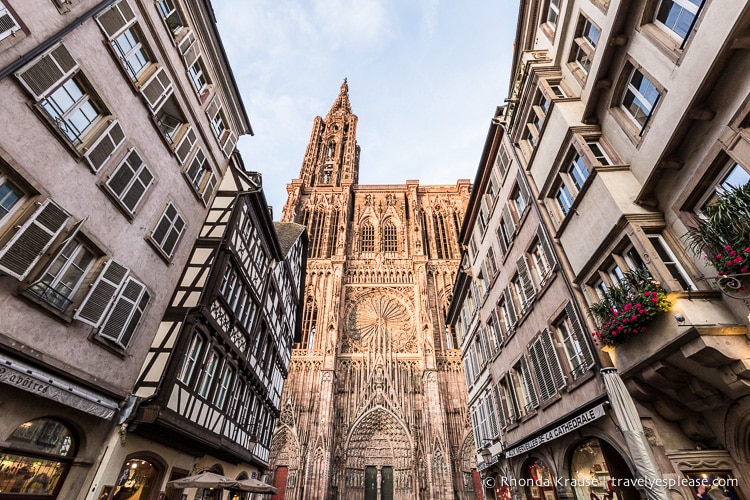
27,378
562,429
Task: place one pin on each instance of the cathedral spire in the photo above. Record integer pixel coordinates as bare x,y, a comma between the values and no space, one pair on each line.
341,105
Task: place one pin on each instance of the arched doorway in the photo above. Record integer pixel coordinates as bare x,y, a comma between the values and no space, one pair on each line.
379,458
210,493
593,465
38,458
539,484
140,477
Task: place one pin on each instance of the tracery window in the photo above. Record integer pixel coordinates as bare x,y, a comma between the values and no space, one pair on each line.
367,238
333,238
309,320
390,241
315,226
442,243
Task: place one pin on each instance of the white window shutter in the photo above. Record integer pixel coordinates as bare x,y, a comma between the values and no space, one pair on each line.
47,71
126,313
580,335
102,293
104,146
213,107
185,146
229,143
525,276
499,406
522,188
189,48
116,18
510,307
157,89
547,247
508,223
8,25
35,236
208,190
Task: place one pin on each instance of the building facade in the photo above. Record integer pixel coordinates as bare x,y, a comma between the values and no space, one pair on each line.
374,406
209,391
113,148
629,121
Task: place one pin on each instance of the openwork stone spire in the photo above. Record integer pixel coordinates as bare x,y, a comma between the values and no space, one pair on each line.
341,105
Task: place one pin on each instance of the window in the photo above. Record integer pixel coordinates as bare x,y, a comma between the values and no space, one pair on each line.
131,52
171,16
491,263
676,17
208,374
71,109
197,74
367,238
64,275
579,172
571,336
390,238
168,230
671,263
130,181
542,258
496,327
598,152
226,381
734,177
442,241
584,44
524,387
509,400
553,12
10,195
564,199
503,161
519,202
640,99
557,90
192,358
41,453
524,283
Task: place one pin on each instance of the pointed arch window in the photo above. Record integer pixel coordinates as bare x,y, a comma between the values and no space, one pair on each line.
333,238
441,237
367,238
309,321
315,228
390,238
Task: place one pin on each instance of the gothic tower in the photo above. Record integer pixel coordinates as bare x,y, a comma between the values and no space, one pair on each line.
375,403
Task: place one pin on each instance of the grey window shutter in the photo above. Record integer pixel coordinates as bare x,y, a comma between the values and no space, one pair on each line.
581,337
45,73
115,18
104,146
525,276
526,374
522,188
157,89
509,224
102,293
185,146
510,306
229,143
547,247
509,393
541,370
126,313
558,378
499,406
35,236
490,408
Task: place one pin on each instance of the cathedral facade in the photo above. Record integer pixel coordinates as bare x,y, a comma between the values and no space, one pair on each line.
375,402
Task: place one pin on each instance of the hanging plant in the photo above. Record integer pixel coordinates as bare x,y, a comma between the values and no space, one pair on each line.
723,235
627,308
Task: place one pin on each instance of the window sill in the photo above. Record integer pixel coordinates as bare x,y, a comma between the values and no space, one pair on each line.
108,345
551,401
629,126
664,42
574,384
34,299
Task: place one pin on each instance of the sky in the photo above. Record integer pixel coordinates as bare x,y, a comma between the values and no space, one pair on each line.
424,76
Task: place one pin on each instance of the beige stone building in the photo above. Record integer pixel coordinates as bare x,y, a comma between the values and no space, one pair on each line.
374,406
628,119
118,121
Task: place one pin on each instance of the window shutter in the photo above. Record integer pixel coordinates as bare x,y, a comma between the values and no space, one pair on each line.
229,143
130,181
501,239
499,406
189,48
508,224
8,24
525,276
496,327
523,188
526,374
195,169
208,190
490,408
36,235
579,334
126,312
185,146
547,247
510,306
558,378
157,89
509,401
46,72
213,107
541,370
104,146
114,19
101,294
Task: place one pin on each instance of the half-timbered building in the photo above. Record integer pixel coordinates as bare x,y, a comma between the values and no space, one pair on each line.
210,389
119,118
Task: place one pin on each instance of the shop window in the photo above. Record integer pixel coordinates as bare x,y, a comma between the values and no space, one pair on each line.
593,465
36,458
541,485
139,479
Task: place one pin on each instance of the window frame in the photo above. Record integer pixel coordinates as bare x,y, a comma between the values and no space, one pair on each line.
172,223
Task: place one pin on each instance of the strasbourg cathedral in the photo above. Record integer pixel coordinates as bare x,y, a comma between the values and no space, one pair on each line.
375,402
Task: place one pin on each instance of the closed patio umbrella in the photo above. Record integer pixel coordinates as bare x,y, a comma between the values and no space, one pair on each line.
204,480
